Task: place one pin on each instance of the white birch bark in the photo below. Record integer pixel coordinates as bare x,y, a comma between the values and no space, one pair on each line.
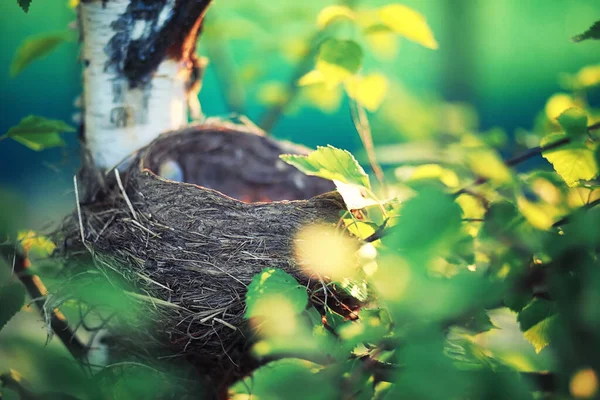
118,119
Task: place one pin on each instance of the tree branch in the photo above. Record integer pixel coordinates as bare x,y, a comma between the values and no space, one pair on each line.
37,291
511,162
268,120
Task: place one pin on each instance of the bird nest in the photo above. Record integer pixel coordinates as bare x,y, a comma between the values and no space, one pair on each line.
191,247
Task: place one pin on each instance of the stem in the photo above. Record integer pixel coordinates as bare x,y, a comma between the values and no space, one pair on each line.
361,122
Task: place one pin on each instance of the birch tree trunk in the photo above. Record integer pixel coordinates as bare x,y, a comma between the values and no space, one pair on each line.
140,72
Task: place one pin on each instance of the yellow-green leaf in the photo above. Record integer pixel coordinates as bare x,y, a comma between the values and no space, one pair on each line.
333,13
574,161
539,334
369,90
435,171
408,23
338,60
326,99
330,163
274,282
34,48
539,215
488,164
311,78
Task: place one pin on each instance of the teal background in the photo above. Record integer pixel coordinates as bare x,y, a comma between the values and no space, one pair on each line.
503,56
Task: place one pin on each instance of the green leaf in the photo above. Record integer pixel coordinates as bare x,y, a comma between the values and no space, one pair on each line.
537,320
289,378
477,322
274,282
24,4
574,121
338,60
408,23
330,163
536,311
333,13
592,33
540,334
574,161
426,223
34,48
39,133
12,298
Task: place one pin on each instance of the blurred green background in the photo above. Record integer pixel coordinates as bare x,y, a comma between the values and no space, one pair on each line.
504,57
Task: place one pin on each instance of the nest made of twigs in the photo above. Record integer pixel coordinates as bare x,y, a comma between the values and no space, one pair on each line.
197,245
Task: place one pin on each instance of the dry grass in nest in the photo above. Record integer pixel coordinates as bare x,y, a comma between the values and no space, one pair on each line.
192,245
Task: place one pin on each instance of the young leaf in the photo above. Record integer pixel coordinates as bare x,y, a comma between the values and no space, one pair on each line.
369,90
12,298
540,334
39,133
24,4
330,163
35,48
574,122
277,282
408,23
537,321
592,33
338,60
486,163
426,223
573,161
333,13
535,312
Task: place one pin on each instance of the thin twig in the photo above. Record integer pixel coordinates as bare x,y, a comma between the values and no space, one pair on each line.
511,162
565,220
78,209
118,176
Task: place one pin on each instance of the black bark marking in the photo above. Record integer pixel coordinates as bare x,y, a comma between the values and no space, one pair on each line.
137,59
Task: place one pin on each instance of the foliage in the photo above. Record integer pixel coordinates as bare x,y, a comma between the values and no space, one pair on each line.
35,48
592,33
12,296
24,4
455,252
38,133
